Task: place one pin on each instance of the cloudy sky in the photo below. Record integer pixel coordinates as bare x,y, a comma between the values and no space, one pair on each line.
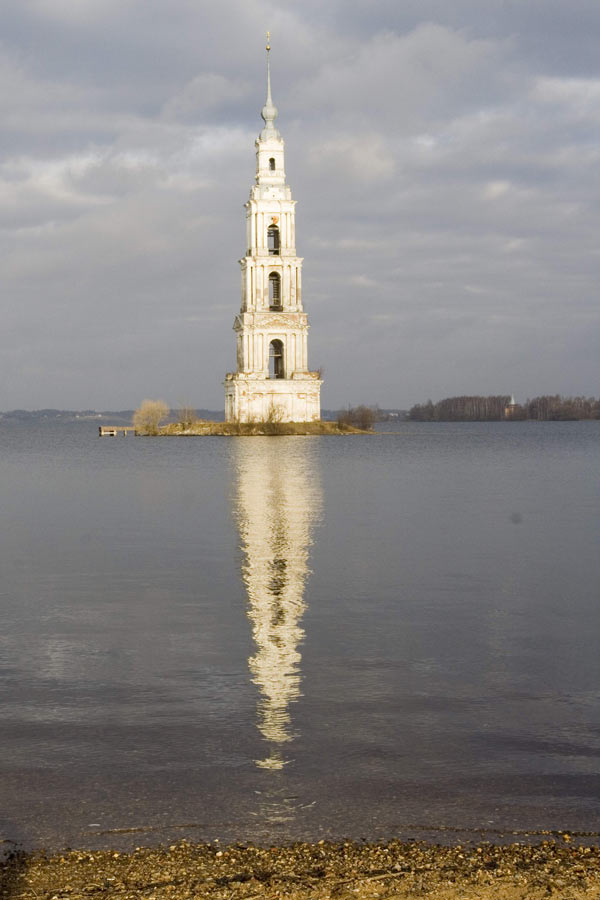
444,155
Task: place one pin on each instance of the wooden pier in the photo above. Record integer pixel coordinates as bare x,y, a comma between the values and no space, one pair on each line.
114,430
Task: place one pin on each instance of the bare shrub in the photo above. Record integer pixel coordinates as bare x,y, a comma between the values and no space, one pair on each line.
147,418
186,416
274,421
343,417
358,416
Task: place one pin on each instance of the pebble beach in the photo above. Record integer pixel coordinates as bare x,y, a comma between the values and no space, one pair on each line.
557,867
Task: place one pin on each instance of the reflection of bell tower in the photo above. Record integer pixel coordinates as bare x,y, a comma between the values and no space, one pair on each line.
272,376
278,505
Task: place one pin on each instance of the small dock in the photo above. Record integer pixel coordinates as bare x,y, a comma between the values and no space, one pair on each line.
114,430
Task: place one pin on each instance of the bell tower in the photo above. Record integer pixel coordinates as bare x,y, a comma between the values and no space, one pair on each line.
272,379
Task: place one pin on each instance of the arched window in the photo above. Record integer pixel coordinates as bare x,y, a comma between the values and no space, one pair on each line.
274,291
272,164
276,359
273,240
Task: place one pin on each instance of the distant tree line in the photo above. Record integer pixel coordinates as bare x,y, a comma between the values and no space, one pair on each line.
555,408
495,408
461,409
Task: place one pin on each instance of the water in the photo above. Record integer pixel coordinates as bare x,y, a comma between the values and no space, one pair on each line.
303,637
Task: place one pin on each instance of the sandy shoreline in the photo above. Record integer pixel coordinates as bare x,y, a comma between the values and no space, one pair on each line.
382,871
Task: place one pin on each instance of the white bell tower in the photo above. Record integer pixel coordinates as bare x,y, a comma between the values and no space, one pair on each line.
272,379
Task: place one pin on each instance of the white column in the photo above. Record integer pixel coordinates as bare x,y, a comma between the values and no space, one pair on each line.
285,286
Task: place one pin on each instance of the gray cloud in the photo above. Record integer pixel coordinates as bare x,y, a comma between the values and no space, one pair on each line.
444,160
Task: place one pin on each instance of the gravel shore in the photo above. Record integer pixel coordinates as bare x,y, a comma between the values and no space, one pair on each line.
556,867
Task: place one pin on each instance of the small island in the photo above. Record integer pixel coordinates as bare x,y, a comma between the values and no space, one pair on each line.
257,428
149,419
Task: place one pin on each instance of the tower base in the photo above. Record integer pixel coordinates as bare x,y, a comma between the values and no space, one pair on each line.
249,398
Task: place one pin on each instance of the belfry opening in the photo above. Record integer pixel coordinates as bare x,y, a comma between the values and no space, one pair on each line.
276,369
274,291
273,240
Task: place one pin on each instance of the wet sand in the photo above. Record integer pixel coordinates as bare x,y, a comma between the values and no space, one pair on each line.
559,867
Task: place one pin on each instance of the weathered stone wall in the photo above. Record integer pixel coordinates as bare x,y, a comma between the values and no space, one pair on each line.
283,399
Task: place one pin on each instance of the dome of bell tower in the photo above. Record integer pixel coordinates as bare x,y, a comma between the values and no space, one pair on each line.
269,110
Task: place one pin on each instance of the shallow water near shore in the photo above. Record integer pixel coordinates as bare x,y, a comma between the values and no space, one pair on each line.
288,638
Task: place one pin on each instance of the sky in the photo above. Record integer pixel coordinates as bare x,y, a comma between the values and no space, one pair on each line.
444,155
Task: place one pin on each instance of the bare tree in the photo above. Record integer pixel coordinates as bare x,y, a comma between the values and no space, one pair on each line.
148,417
187,415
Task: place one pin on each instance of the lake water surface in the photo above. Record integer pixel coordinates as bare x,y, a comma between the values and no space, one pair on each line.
298,637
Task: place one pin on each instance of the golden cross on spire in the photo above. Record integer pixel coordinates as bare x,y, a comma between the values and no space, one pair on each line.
268,40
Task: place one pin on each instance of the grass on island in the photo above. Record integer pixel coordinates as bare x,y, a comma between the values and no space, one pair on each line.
257,428
304,871
148,417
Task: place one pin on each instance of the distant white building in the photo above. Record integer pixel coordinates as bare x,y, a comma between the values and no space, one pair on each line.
272,378
510,408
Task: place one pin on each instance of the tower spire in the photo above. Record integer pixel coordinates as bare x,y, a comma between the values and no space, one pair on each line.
268,49
269,110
